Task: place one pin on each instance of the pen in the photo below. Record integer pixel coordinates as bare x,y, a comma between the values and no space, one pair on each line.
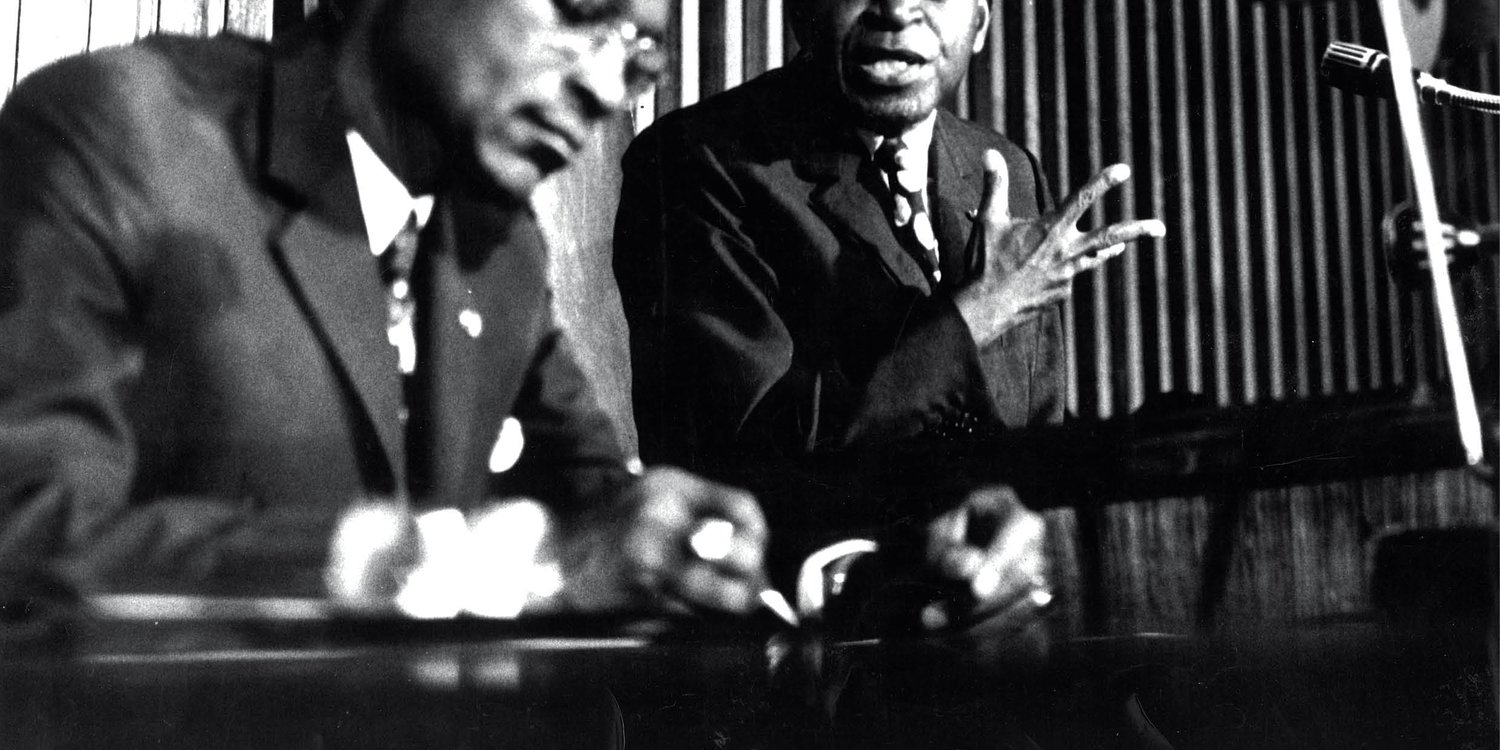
711,541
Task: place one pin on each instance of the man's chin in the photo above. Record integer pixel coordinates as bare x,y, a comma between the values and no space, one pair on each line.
508,177
890,112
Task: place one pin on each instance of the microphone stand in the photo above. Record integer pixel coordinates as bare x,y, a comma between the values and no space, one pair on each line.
1426,194
1437,259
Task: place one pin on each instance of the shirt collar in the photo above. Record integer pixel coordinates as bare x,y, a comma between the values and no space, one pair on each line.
918,140
383,200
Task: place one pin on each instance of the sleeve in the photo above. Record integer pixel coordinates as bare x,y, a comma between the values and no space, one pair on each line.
572,455
69,350
719,385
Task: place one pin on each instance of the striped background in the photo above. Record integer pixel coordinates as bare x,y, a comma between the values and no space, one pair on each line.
1271,287
1272,284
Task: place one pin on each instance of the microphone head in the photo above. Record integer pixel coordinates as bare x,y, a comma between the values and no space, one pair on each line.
1358,69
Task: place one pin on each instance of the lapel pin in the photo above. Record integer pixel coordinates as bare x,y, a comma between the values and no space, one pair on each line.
471,322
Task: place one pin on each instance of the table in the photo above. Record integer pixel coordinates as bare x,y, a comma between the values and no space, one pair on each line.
321,682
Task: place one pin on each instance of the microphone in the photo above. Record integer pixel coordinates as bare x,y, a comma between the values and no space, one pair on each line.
1406,246
1367,72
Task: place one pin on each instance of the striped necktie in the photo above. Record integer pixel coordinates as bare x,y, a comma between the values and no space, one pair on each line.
909,210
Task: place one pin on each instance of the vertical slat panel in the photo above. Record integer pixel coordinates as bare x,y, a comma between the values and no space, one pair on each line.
1098,283
689,59
1316,190
1368,217
112,23
48,30
10,25
1157,174
1294,202
1187,213
1386,175
1239,164
251,18
1129,263
997,72
1062,168
733,33
756,34
1213,218
1342,247
183,17
147,17
1268,150
1030,79
775,33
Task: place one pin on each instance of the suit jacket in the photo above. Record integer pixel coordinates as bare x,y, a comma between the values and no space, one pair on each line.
780,334
194,371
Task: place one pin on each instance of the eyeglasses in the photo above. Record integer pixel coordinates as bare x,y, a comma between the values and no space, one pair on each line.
645,62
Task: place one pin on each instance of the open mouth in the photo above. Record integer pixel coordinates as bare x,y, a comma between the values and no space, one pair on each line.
889,66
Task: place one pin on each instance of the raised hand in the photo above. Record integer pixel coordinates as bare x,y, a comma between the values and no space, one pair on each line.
1026,265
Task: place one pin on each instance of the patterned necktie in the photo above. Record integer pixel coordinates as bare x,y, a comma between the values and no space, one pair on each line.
395,270
909,210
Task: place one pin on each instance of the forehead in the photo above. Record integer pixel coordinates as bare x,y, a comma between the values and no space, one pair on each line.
655,15
651,15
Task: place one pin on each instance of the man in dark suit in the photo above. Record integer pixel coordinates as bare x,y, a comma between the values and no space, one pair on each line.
215,335
820,267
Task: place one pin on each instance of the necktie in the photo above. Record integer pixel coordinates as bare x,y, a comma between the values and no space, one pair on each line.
403,283
909,210
395,270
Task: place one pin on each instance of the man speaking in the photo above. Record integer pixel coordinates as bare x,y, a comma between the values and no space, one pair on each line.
821,264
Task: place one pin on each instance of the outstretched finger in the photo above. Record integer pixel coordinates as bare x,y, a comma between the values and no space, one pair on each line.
994,205
1084,198
1107,242
1088,261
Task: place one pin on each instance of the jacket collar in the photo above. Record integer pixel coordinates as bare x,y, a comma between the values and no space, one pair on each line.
850,194
322,242
307,153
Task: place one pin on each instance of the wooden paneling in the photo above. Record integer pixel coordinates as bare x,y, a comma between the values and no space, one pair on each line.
10,21
36,32
48,30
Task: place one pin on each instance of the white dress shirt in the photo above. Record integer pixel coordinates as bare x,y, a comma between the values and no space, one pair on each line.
387,206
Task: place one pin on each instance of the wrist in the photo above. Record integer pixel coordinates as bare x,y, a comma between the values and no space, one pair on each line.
987,318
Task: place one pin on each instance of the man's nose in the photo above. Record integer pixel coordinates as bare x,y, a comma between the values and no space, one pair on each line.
894,12
600,78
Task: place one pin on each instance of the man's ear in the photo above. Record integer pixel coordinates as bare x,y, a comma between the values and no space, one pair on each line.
981,24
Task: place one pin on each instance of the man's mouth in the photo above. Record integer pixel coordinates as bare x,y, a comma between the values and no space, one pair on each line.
559,137
889,66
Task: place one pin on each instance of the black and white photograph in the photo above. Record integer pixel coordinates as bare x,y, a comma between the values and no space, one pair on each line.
750,374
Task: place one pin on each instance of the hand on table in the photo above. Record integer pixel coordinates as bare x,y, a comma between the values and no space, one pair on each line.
1026,265
638,554
992,548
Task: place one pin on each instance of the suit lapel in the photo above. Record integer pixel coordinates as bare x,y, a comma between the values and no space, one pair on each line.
323,245
846,197
957,183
